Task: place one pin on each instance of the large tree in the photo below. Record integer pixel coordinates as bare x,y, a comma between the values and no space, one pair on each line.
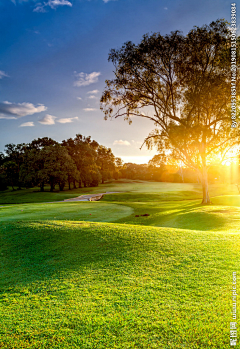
183,84
48,164
15,153
106,162
83,151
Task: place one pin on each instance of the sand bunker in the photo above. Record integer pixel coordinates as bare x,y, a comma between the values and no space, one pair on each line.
92,197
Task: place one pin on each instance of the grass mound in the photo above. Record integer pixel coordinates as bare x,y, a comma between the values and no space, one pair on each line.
88,211
102,285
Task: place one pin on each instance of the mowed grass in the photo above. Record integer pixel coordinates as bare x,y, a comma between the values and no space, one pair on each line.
69,278
87,211
102,285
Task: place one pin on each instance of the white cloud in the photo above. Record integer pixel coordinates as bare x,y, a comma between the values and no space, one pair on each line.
30,123
48,120
3,74
105,1
79,98
67,120
55,3
92,97
84,79
93,91
165,8
89,109
41,7
137,142
21,109
121,142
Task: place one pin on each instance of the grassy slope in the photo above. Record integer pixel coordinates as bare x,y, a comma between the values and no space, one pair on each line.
70,283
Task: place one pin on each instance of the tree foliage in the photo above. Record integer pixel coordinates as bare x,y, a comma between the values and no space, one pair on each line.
44,161
83,152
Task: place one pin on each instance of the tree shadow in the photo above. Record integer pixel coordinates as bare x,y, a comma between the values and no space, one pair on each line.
194,216
37,251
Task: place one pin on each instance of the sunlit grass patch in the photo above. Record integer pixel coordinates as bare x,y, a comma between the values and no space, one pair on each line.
98,285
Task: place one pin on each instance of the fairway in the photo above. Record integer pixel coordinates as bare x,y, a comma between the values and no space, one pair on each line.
93,275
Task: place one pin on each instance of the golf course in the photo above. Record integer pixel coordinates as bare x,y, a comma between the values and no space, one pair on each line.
147,267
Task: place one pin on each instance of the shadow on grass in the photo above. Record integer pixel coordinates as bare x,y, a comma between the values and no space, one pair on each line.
203,218
185,215
203,221
41,250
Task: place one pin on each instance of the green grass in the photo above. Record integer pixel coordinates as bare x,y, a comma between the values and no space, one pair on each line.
95,211
92,275
155,190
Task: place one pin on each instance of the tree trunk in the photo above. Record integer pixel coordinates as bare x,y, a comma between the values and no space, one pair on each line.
52,186
181,174
206,199
69,185
198,178
61,186
42,186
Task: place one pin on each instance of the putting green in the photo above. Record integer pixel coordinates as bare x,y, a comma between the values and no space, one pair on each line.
82,211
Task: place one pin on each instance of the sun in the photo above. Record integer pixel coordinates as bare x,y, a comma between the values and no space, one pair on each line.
228,163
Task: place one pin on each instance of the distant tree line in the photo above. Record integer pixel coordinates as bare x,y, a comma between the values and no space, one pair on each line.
82,162
158,171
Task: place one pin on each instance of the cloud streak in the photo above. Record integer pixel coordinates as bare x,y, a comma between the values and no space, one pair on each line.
7,117
20,109
67,120
93,91
83,79
89,109
53,4
121,142
3,74
27,124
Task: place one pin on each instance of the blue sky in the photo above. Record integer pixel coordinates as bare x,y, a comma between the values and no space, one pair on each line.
54,63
